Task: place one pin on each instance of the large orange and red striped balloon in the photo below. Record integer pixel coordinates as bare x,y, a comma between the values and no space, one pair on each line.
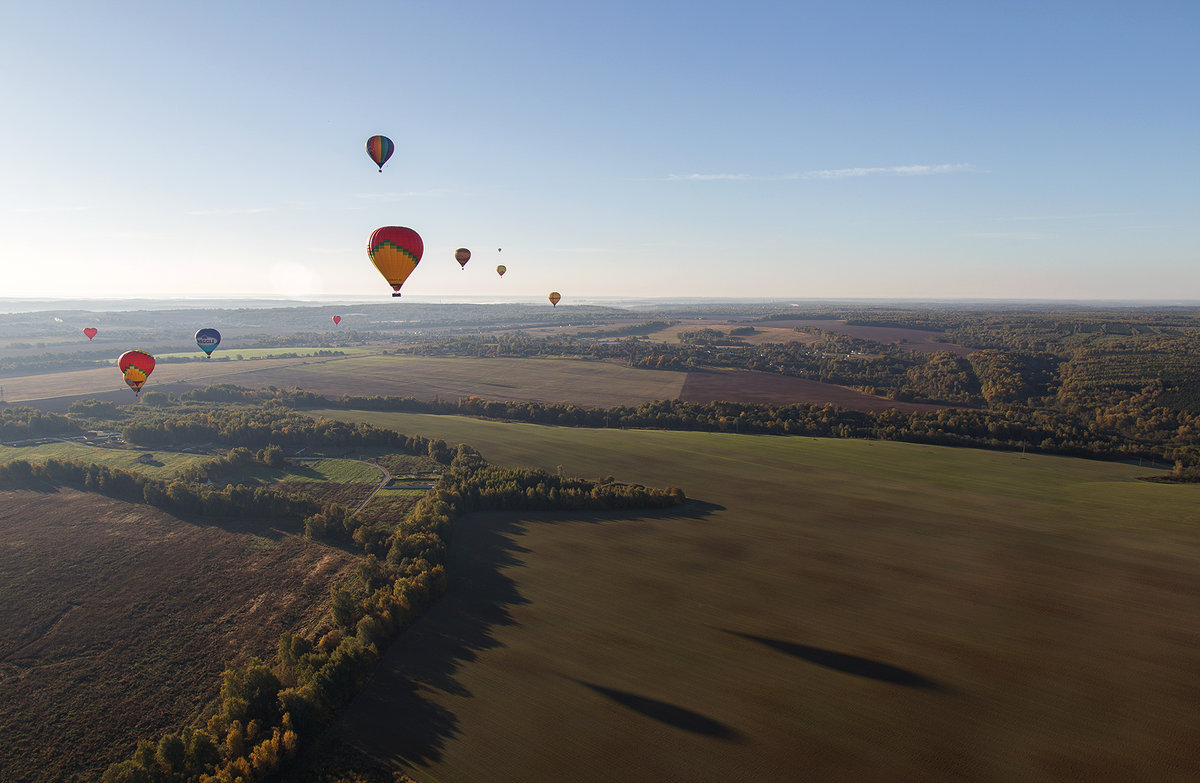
395,251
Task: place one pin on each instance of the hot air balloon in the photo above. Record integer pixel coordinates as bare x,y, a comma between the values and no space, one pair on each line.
208,340
462,256
91,332
395,251
500,270
337,319
554,297
380,148
136,366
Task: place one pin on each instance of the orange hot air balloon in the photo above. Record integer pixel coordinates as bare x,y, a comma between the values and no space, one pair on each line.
337,319
500,270
462,256
395,251
554,297
91,332
136,366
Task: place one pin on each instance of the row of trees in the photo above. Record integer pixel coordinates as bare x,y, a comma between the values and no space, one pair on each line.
22,422
177,496
267,711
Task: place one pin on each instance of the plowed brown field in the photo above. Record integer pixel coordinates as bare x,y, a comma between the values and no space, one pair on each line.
117,619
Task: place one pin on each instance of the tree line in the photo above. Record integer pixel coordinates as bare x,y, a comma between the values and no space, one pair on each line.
268,711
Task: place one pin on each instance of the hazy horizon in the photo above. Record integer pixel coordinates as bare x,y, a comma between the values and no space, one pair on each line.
866,150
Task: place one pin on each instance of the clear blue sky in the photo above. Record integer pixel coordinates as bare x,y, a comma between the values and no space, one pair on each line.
782,149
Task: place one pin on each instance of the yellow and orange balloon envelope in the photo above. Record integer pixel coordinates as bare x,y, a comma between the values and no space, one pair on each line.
554,297
500,270
462,256
136,366
395,251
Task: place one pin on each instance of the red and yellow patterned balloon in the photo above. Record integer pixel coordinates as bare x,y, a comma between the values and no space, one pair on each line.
136,366
554,297
395,251
462,256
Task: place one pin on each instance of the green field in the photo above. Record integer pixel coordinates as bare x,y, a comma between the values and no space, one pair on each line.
344,471
823,610
165,464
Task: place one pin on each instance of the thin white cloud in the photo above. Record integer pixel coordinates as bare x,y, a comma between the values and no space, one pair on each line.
397,195
900,171
1001,235
230,211
1083,216
707,177
49,209
919,170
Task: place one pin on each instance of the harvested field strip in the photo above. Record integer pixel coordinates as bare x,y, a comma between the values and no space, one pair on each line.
548,380
823,609
107,379
117,620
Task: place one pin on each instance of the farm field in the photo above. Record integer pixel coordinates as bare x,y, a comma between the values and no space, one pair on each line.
344,471
770,389
919,340
117,620
164,465
108,379
550,380
823,609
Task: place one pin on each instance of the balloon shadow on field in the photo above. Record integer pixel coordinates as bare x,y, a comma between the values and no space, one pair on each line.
400,719
844,662
665,712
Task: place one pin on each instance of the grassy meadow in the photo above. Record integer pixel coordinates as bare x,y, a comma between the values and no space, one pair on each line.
164,465
822,609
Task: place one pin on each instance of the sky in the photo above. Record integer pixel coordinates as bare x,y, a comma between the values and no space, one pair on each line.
851,149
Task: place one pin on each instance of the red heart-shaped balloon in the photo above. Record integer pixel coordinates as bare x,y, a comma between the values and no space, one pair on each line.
91,332
337,319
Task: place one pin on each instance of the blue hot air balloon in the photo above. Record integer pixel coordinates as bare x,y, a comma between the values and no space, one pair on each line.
208,340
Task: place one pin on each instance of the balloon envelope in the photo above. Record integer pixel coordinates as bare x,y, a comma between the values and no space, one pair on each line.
208,340
91,332
462,256
337,319
380,148
395,251
136,366
500,270
554,297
